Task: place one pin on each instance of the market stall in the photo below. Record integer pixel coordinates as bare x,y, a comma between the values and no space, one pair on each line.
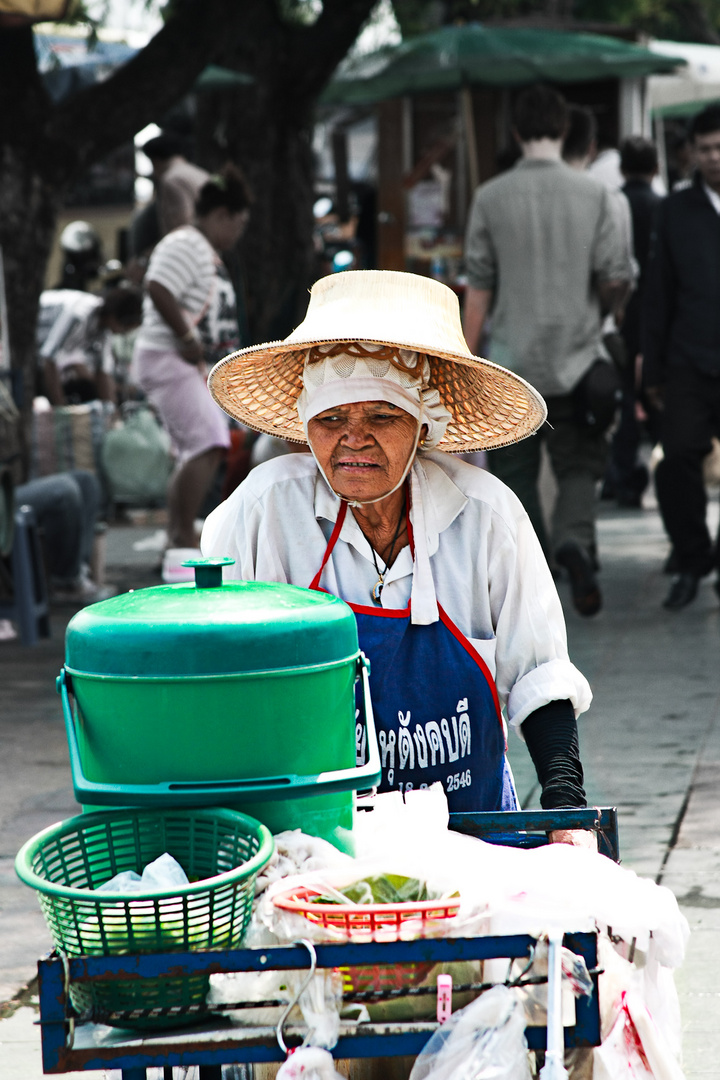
443,103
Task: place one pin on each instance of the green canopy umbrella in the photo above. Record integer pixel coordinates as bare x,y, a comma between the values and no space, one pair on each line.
684,110
458,56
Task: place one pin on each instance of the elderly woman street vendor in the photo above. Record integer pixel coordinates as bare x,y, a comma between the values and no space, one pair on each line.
455,605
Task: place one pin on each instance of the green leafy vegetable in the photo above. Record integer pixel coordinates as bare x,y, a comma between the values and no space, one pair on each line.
384,889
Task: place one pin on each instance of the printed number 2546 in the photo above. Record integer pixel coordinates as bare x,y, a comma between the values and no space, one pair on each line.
458,780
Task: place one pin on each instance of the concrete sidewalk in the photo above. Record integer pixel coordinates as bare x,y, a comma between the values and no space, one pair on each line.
650,745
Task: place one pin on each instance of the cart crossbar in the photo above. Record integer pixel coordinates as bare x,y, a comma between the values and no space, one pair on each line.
70,1046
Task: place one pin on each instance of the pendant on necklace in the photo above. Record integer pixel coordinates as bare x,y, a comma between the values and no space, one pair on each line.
377,589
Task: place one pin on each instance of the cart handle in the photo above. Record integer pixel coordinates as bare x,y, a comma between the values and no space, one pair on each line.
526,828
208,793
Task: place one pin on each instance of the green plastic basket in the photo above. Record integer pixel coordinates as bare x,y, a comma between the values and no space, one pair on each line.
221,851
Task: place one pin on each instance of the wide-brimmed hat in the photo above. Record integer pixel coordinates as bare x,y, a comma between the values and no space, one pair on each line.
490,406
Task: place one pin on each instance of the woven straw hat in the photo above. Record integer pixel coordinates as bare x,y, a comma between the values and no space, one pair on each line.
490,405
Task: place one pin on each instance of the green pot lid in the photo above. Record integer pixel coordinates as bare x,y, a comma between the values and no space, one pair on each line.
194,629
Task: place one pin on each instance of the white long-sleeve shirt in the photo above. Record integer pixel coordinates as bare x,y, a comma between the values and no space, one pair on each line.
476,553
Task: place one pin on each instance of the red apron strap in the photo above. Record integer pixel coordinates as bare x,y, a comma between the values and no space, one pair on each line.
411,536
315,583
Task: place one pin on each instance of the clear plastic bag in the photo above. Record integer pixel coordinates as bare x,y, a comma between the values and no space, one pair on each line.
483,1041
165,872
576,982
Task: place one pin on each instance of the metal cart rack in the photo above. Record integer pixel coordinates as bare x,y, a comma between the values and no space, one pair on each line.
69,1044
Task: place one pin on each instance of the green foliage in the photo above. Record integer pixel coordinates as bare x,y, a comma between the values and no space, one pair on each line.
80,14
300,12
680,20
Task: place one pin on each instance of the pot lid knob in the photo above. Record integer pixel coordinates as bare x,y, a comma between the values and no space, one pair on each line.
208,572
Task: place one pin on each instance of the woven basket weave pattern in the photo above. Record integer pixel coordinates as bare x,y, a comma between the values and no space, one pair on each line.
490,407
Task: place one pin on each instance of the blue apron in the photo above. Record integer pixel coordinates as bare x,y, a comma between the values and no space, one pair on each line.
436,706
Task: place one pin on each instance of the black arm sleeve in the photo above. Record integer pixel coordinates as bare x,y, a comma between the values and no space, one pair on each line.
552,739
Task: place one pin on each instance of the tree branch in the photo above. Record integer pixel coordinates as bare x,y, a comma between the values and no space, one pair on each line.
23,98
98,119
317,50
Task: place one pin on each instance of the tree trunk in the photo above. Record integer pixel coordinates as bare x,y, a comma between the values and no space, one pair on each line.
274,150
28,211
44,146
28,206
267,129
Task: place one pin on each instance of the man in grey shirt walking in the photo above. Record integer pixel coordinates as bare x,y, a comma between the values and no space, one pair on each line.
546,255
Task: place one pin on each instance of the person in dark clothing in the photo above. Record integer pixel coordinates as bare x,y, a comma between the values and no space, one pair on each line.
681,351
626,477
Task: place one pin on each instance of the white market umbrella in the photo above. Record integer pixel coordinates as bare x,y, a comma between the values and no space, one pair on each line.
697,83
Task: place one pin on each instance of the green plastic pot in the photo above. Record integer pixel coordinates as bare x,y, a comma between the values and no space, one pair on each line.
239,694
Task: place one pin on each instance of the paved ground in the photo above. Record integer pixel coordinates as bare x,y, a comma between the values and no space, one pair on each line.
650,744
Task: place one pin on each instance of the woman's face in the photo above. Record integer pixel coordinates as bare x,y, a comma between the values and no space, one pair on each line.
363,448
224,228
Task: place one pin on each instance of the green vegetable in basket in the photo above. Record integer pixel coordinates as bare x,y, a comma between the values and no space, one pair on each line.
385,889
119,930
141,929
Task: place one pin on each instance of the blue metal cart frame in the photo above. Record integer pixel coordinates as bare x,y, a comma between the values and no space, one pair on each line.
70,1045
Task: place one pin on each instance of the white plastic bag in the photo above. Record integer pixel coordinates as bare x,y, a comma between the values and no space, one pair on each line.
234,986
483,1041
310,1063
164,873
635,1049
297,853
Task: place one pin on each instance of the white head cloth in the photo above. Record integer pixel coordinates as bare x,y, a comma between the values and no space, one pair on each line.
344,378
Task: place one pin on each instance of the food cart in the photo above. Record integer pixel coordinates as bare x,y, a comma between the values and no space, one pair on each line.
126,986
72,1042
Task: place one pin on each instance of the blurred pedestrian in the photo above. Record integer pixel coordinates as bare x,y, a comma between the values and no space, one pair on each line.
189,321
627,476
579,152
681,355
74,341
544,252
177,182
605,164
66,506
80,254
580,142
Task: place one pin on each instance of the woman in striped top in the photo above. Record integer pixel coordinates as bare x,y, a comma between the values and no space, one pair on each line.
190,320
